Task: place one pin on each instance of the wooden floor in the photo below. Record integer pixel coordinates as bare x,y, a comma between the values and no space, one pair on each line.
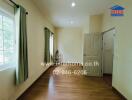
69,87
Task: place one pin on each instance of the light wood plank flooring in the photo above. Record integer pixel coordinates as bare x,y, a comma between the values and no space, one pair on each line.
69,87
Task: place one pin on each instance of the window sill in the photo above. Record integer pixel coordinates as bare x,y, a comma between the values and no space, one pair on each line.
6,67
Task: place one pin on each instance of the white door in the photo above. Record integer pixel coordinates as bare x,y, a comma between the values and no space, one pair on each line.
108,51
92,54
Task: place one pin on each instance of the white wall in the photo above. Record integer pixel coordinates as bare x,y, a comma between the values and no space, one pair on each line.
35,29
85,26
95,24
70,44
122,70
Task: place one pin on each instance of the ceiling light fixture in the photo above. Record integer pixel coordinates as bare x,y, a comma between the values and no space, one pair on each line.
73,4
71,22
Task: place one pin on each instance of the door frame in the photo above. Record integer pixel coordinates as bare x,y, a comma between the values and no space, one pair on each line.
111,29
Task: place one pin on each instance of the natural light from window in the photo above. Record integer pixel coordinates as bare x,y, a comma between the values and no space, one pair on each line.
51,45
7,40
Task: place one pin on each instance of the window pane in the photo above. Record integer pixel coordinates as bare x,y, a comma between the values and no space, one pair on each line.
0,22
8,56
1,57
1,40
7,24
8,40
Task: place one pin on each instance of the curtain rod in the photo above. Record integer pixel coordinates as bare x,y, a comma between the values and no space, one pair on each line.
16,4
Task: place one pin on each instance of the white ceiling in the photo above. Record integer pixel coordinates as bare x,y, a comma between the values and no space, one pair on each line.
61,14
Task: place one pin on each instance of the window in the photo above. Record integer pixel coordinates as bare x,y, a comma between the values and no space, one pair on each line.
51,46
7,40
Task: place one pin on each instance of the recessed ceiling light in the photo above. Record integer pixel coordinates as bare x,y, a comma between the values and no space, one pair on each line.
71,22
73,4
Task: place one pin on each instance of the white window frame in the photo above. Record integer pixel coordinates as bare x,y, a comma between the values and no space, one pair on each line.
6,66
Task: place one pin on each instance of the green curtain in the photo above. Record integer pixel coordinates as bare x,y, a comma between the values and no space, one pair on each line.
47,45
21,31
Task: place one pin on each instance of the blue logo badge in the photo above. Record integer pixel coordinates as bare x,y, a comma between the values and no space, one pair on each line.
117,10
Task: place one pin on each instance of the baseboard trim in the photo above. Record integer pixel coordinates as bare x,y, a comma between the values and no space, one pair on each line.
107,74
117,92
